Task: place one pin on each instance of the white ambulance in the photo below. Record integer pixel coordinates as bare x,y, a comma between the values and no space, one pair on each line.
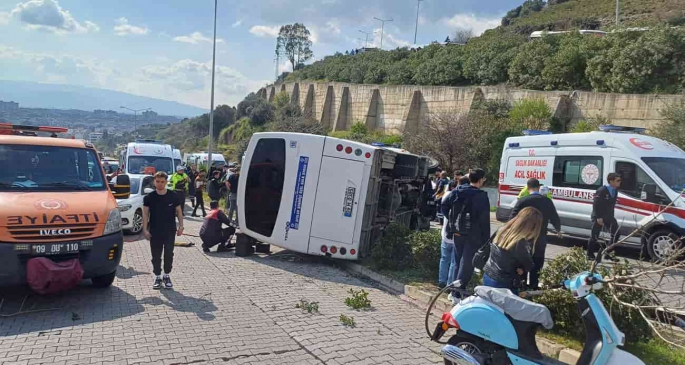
575,165
145,157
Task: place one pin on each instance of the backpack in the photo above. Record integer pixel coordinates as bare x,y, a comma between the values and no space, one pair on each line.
459,222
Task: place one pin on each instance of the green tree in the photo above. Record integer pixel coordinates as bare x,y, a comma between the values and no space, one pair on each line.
527,67
565,70
294,42
532,114
673,128
487,58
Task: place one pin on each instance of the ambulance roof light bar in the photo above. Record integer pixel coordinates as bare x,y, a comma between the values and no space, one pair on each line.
535,132
621,129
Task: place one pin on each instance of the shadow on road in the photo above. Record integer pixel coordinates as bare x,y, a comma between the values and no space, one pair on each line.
79,306
177,301
129,273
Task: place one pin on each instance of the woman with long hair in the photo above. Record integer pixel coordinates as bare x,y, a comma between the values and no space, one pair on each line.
511,250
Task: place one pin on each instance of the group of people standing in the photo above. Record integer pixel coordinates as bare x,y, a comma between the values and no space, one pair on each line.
515,254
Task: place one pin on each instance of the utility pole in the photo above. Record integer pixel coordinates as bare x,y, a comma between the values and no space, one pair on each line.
211,102
617,12
135,115
416,29
366,45
382,27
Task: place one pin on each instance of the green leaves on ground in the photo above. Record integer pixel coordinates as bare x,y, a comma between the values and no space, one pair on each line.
358,300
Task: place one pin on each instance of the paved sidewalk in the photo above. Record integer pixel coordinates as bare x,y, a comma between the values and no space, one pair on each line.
223,310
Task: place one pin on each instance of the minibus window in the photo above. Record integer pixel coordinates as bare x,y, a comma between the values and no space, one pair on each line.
264,186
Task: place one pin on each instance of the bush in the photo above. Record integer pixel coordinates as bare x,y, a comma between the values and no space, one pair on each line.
392,252
587,125
562,305
532,114
425,248
673,129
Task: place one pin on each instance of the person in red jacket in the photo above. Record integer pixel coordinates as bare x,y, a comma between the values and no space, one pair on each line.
212,232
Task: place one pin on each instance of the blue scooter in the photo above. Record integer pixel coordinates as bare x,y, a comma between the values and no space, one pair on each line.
495,326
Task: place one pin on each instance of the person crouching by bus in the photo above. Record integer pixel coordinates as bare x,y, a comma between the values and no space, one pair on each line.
510,250
212,232
179,181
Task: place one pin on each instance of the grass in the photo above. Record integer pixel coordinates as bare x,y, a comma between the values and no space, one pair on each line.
655,352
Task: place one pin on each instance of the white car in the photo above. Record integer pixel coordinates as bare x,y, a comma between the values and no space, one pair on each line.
132,208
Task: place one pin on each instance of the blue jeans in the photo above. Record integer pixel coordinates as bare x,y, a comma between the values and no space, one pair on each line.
488,281
447,263
464,250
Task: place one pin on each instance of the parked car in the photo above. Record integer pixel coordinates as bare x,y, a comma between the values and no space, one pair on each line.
132,208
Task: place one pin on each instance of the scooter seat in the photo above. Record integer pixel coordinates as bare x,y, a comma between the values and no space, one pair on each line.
515,306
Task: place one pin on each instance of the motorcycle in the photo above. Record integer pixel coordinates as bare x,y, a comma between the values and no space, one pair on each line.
495,326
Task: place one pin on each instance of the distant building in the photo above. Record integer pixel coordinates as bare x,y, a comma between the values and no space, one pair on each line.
95,136
149,115
109,113
8,105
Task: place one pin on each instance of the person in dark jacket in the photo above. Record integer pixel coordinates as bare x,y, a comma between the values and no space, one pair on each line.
214,186
602,216
510,250
476,203
192,175
212,232
549,215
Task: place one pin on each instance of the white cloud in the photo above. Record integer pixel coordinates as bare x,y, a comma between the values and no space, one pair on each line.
5,18
196,38
48,15
470,21
123,28
390,40
238,23
189,81
265,31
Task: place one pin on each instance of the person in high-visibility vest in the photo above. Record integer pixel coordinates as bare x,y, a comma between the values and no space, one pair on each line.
544,190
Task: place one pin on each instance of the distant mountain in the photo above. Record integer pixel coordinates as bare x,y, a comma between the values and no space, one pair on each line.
37,95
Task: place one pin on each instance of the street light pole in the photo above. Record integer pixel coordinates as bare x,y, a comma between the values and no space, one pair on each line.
617,12
382,27
211,103
135,115
367,37
416,29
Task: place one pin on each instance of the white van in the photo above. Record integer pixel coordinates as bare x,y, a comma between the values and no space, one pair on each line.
575,165
143,156
327,196
177,158
200,159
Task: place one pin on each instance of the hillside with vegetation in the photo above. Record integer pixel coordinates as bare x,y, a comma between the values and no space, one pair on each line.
625,60
535,15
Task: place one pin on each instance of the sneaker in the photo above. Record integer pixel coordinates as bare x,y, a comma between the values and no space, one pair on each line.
158,283
167,282
225,248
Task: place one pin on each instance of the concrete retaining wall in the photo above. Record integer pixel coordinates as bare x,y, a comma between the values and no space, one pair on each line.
396,108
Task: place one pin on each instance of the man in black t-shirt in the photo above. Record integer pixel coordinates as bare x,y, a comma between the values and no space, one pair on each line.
232,184
160,208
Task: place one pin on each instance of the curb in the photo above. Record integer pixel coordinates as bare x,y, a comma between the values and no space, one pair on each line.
547,347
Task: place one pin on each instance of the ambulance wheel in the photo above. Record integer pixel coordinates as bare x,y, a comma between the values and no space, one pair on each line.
662,244
104,281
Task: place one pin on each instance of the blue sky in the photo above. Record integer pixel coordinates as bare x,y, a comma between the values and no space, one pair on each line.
163,49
